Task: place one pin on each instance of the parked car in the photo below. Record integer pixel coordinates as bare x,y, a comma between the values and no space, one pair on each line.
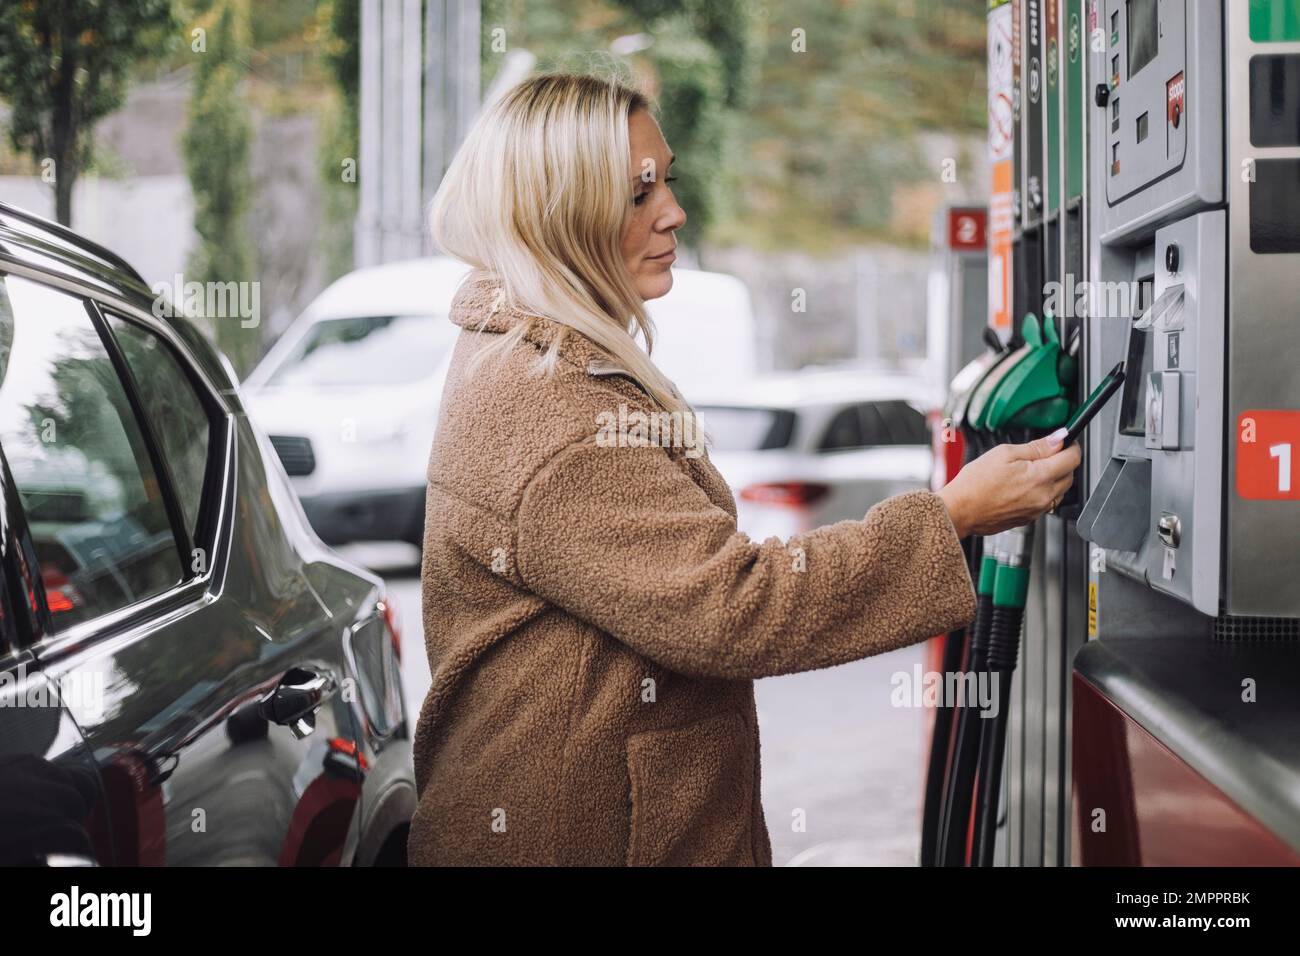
350,392
187,674
805,449
349,396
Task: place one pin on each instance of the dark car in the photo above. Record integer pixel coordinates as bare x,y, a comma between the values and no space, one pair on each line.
187,674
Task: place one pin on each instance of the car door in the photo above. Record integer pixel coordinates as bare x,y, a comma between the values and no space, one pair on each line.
168,583
51,796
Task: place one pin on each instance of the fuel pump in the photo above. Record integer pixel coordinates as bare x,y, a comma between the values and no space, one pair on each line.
1191,520
1145,198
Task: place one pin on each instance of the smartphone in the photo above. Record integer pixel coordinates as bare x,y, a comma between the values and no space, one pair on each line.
1093,403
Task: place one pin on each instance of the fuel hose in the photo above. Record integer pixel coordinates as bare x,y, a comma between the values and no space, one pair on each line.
961,778
1010,592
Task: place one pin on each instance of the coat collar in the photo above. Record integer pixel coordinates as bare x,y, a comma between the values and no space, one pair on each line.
480,305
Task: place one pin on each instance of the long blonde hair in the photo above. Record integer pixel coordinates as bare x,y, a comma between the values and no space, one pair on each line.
538,196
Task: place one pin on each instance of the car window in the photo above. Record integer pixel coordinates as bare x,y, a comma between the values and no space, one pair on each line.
844,431
874,430
875,424
79,462
905,424
747,429
368,350
180,420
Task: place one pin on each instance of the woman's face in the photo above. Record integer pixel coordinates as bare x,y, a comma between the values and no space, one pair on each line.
648,242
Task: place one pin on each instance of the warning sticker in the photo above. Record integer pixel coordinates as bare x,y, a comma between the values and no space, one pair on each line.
1176,95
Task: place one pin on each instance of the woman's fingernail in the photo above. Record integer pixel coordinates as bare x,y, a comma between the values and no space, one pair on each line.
1057,436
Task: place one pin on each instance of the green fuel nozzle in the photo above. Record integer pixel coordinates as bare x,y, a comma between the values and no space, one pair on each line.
1033,394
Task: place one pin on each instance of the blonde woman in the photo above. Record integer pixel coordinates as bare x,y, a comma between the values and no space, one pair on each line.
594,620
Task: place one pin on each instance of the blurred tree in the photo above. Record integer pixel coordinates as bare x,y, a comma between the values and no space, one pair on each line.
798,123
843,97
63,66
725,25
343,49
217,140
340,140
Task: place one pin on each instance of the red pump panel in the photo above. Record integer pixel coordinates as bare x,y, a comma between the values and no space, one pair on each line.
1158,810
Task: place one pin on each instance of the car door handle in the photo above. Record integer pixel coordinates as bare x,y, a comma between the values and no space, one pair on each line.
296,698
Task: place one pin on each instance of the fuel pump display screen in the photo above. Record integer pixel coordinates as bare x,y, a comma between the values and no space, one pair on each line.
1143,33
1133,402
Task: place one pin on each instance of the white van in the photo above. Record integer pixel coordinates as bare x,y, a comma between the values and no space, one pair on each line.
705,339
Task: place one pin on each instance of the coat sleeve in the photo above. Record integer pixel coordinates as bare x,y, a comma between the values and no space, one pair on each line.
625,540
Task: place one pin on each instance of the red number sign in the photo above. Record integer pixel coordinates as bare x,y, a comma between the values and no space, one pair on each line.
966,228
1268,454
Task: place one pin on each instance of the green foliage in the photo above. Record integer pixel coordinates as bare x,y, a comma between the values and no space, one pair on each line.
833,131
275,22
216,143
341,197
343,50
340,135
775,148
64,65
80,416
779,148
724,25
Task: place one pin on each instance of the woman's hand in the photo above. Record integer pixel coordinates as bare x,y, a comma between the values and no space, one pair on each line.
1010,485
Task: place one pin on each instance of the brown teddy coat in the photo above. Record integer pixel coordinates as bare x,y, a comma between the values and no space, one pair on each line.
594,621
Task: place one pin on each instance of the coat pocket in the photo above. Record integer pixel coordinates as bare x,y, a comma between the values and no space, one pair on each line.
692,794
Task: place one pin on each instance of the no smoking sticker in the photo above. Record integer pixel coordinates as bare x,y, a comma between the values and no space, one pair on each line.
1268,441
1176,96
